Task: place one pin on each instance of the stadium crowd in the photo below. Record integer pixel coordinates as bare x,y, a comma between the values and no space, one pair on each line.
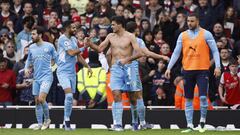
159,24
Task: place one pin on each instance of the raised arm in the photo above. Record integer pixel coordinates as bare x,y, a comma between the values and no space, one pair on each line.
95,47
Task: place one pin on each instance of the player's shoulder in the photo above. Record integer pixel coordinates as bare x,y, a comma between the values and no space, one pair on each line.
48,44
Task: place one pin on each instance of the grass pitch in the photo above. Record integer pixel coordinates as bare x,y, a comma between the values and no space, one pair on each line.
106,132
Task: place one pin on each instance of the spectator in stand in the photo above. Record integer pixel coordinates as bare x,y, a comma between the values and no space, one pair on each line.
27,11
10,53
230,82
128,15
119,10
189,6
24,88
178,6
81,34
148,39
5,13
89,13
225,57
158,37
4,37
168,26
217,8
152,9
21,63
231,24
145,25
165,50
160,92
217,31
205,14
146,75
182,26
104,9
7,83
138,15
24,37
17,7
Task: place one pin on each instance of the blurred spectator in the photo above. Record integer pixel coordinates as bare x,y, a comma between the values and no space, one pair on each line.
93,87
24,38
161,92
79,5
27,11
152,9
104,9
225,57
144,26
217,31
5,13
165,50
168,26
21,63
24,88
231,24
119,10
230,83
4,37
17,7
205,14
217,7
182,26
178,6
10,53
146,75
158,38
89,13
138,15
189,6
148,39
7,83
128,15
56,94
81,34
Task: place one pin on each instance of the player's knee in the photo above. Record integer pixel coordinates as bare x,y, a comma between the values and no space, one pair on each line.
203,101
117,96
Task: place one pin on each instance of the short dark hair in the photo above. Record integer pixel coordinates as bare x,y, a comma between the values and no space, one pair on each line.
233,62
39,29
2,59
67,24
29,20
194,15
5,1
131,26
119,20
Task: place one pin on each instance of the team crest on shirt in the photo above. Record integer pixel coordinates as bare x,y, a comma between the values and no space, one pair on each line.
45,49
66,43
235,78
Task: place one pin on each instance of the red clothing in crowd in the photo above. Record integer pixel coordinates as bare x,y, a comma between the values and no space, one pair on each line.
231,84
9,77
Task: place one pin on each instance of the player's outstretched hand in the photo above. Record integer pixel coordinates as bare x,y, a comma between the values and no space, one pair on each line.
217,72
167,73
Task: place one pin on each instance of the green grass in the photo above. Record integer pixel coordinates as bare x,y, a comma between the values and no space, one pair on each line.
106,132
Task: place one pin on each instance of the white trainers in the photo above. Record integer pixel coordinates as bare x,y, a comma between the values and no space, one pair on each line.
46,124
37,127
